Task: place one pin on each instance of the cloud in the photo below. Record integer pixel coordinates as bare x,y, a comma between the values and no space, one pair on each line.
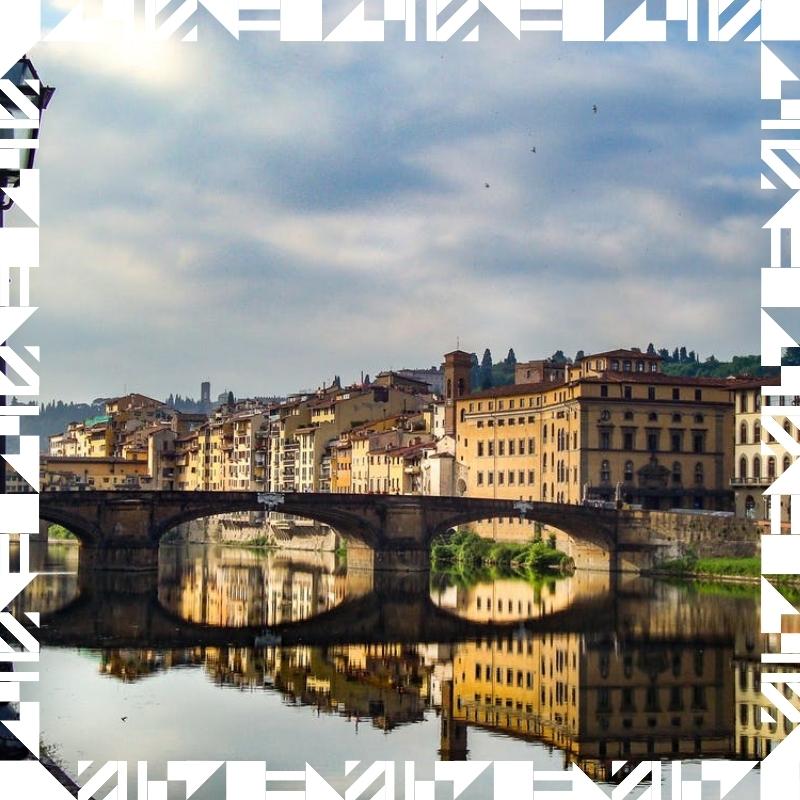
266,214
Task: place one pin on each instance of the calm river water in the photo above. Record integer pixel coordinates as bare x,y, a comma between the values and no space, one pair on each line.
240,654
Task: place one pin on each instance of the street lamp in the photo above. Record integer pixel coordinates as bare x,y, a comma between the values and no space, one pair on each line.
16,124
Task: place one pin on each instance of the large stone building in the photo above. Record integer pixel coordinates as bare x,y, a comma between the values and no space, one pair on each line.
758,458
615,429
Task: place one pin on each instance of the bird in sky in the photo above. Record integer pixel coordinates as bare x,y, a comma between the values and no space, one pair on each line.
594,108
533,149
486,185
124,719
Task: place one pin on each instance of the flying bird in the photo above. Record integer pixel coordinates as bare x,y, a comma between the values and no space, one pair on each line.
533,149
486,185
594,108
124,719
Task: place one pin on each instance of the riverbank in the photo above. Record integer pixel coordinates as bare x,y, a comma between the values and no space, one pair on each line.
733,570
464,552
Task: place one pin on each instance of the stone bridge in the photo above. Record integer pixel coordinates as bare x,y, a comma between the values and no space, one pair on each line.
122,529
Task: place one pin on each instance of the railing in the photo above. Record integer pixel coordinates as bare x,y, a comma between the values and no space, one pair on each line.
759,481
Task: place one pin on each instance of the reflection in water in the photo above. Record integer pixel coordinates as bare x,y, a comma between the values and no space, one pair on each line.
675,675
238,587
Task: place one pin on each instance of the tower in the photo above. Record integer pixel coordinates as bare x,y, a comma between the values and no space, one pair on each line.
457,366
205,394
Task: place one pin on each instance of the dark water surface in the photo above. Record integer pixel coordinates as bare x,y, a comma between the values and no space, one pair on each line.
240,654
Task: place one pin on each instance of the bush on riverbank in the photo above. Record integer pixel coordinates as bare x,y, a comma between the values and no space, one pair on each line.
55,532
466,550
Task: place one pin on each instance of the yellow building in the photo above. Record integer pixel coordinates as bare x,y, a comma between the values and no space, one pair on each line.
615,428
62,473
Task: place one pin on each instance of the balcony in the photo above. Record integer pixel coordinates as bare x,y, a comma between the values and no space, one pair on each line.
760,481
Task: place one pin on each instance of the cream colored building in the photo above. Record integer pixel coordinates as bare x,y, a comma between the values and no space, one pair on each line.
753,468
615,429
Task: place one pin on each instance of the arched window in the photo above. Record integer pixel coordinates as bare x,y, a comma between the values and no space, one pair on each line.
756,467
698,474
463,414
743,468
787,426
756,433
676,473
449,388
743,433
771,467
605,471
787,462
460,387
628,471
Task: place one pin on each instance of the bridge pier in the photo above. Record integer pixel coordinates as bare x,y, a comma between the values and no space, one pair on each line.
116,555
393,559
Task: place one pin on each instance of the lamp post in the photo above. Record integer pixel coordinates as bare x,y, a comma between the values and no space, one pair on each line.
16,124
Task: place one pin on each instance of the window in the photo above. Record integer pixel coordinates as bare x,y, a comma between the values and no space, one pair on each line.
511,445
480,448
603,390
677,438
787,462
521,477
742,468
651,392
652,440
490,448
676,394
605,471
531,447
530,476
771,467
490,478
698,474
698,442
511,477
743,433
628,415
628,471
626,392
522,447
698,395
501,448
757,468
743,403
480,479
605,440
501,476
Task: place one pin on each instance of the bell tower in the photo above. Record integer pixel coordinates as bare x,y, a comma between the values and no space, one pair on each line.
457,366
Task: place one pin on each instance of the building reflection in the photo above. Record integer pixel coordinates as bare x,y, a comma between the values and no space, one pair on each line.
678,679
236,587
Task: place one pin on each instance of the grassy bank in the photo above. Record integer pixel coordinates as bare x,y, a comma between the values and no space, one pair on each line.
718,567
465,551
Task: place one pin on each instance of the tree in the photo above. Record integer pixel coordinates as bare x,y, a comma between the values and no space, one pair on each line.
485,376
664,353
693,356
683,356
558,357
580,355
651,350
675,355
511,358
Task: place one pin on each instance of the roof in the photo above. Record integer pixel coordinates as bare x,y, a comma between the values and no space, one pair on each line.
754,382
622,353
513,390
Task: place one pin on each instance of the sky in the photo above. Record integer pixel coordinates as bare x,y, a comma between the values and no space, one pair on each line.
265,215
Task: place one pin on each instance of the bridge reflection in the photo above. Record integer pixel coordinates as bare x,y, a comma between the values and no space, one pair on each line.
597,666
230,596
